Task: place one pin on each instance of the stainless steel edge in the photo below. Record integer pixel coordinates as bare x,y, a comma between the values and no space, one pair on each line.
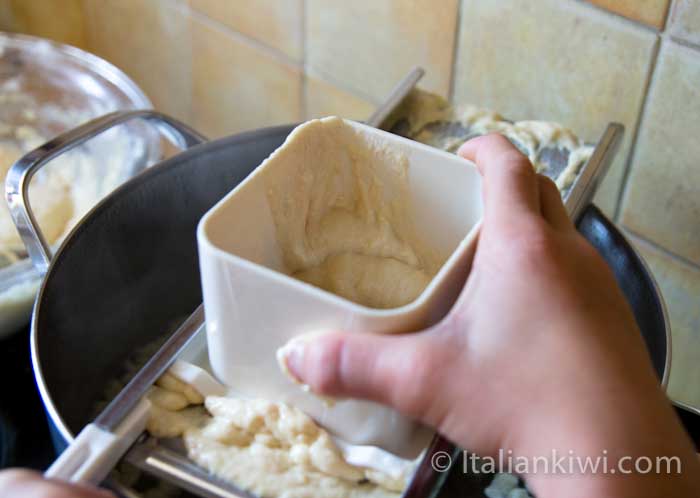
581,194
664,311
593,172
46,398
397,94
119,489
20,174
128,397
690,408
167,464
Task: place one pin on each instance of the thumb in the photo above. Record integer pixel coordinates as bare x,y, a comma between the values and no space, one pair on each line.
393,370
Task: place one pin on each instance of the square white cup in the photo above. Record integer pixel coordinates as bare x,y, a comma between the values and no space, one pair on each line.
253,307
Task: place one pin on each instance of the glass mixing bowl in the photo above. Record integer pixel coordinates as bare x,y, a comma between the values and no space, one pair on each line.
47,88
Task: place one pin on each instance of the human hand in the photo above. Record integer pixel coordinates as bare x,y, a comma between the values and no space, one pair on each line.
20,483
540,352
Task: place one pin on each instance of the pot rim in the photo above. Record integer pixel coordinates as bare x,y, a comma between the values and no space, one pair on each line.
664,312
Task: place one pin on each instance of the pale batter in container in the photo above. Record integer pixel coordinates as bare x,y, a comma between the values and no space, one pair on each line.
342,211
341,204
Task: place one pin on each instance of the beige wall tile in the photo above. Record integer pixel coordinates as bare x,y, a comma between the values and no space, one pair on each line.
7,17
239,87
554,60
276,23
652,12
325,99
151,42
59,20
369,44
663,196
685,20
680,286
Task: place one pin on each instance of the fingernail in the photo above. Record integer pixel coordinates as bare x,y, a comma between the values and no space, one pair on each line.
290,358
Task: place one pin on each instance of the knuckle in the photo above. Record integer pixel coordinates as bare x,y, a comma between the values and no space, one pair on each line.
325,372
516,163
534,243
325,382
501,149
548,185
501,143
514,160
516,167
424,366
498,141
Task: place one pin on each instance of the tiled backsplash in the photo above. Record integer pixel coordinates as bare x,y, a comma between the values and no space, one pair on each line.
558,60
230,65
651,12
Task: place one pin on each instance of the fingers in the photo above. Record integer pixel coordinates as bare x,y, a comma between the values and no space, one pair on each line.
512,189
510,182
392,370
551,205
19,483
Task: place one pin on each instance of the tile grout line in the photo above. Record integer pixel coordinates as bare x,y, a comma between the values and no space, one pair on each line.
667,35
609,13
276,54
667,15
648,87
303,99
342,86
661,249
686,44
680,41
663,36
663,32
308,71
455,53
186,9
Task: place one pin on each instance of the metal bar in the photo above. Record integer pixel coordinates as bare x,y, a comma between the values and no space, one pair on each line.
157,460
127,399
397,94
593,172
20,174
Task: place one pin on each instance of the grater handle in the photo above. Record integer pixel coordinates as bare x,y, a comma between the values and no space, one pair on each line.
593,172
396,96
96,450
22,171
102,443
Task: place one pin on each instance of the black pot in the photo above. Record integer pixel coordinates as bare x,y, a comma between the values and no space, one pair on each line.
129,270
